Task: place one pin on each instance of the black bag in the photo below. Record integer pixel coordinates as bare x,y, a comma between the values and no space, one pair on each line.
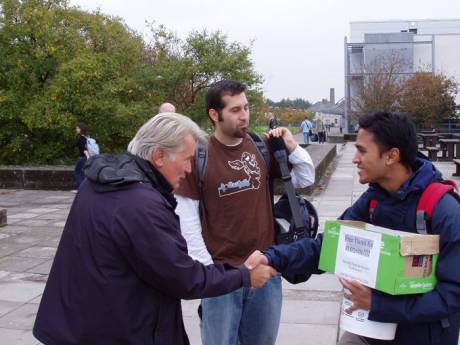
314,137
285,223
295,217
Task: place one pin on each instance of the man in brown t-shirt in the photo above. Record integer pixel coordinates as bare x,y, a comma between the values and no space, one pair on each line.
237,217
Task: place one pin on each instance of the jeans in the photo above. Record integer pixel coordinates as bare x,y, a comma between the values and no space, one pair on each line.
243,317
78,171
306,138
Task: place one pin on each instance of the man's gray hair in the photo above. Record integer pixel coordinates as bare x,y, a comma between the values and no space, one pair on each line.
164,131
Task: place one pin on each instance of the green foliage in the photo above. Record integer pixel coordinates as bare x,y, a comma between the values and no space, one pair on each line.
60,66
429,98
188,67
381,86
298,103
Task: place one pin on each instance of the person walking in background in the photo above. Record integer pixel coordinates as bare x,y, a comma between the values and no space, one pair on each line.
306,127
83,154
167,108
320,131
274,123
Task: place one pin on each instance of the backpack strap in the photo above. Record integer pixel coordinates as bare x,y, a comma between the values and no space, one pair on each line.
372,207
426,204
264,152
201,162
428,201
262,148
281,157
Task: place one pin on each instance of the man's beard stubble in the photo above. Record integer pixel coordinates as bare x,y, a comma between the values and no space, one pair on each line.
240,132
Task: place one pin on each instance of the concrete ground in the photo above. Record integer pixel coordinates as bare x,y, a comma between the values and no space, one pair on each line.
36,218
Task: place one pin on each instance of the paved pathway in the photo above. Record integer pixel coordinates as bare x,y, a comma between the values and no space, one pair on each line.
36,218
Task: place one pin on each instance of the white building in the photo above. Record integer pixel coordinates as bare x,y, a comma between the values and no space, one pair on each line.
425,45
330,112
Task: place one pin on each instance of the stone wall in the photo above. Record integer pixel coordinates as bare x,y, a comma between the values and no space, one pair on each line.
349,136
61,177
335,138
46,178
322,155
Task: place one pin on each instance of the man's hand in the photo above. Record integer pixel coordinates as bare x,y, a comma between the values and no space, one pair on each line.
360,295
283,132
260,275
255,259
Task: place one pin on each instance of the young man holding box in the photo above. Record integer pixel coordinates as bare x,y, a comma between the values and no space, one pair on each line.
387,159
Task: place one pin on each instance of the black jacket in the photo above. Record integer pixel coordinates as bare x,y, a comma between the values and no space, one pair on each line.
81,145
122,267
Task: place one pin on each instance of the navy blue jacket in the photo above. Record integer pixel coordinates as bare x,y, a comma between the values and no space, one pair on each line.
122,267
418,316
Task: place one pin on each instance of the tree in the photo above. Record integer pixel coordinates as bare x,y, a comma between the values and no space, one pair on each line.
291,116
429,98
60,65
298,103
381,85
188,67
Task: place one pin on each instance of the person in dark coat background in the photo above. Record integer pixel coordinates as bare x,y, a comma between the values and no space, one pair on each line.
387,159
273,123
122,266
83,154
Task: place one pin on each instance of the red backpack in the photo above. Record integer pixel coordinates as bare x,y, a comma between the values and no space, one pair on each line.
426,204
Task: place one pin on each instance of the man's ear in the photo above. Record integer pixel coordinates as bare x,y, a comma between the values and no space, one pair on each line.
213,115
393,156
158,158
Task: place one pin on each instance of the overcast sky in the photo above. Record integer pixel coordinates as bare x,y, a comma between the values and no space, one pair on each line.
298,44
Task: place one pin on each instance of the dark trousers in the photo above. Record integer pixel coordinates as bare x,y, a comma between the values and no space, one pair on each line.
78,171
321,137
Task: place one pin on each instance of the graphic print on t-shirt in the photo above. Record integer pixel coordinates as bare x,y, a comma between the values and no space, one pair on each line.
248,164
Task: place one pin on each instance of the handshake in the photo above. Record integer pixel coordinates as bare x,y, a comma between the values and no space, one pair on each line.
259,270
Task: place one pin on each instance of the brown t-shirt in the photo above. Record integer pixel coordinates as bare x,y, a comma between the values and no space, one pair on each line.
237,204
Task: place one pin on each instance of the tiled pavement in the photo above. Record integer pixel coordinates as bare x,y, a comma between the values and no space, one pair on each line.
35,221
27,247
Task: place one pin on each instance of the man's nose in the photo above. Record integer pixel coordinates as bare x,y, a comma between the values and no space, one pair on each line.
355,159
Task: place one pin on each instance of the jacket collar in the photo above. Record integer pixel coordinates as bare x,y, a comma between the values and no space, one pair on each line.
424,172
156,179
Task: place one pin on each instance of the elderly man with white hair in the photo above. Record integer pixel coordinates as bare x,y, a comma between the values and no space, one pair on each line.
122,266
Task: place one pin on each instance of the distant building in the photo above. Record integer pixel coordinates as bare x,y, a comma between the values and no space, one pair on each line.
331,113
424,45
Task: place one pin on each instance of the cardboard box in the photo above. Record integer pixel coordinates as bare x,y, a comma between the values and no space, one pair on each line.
394,262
